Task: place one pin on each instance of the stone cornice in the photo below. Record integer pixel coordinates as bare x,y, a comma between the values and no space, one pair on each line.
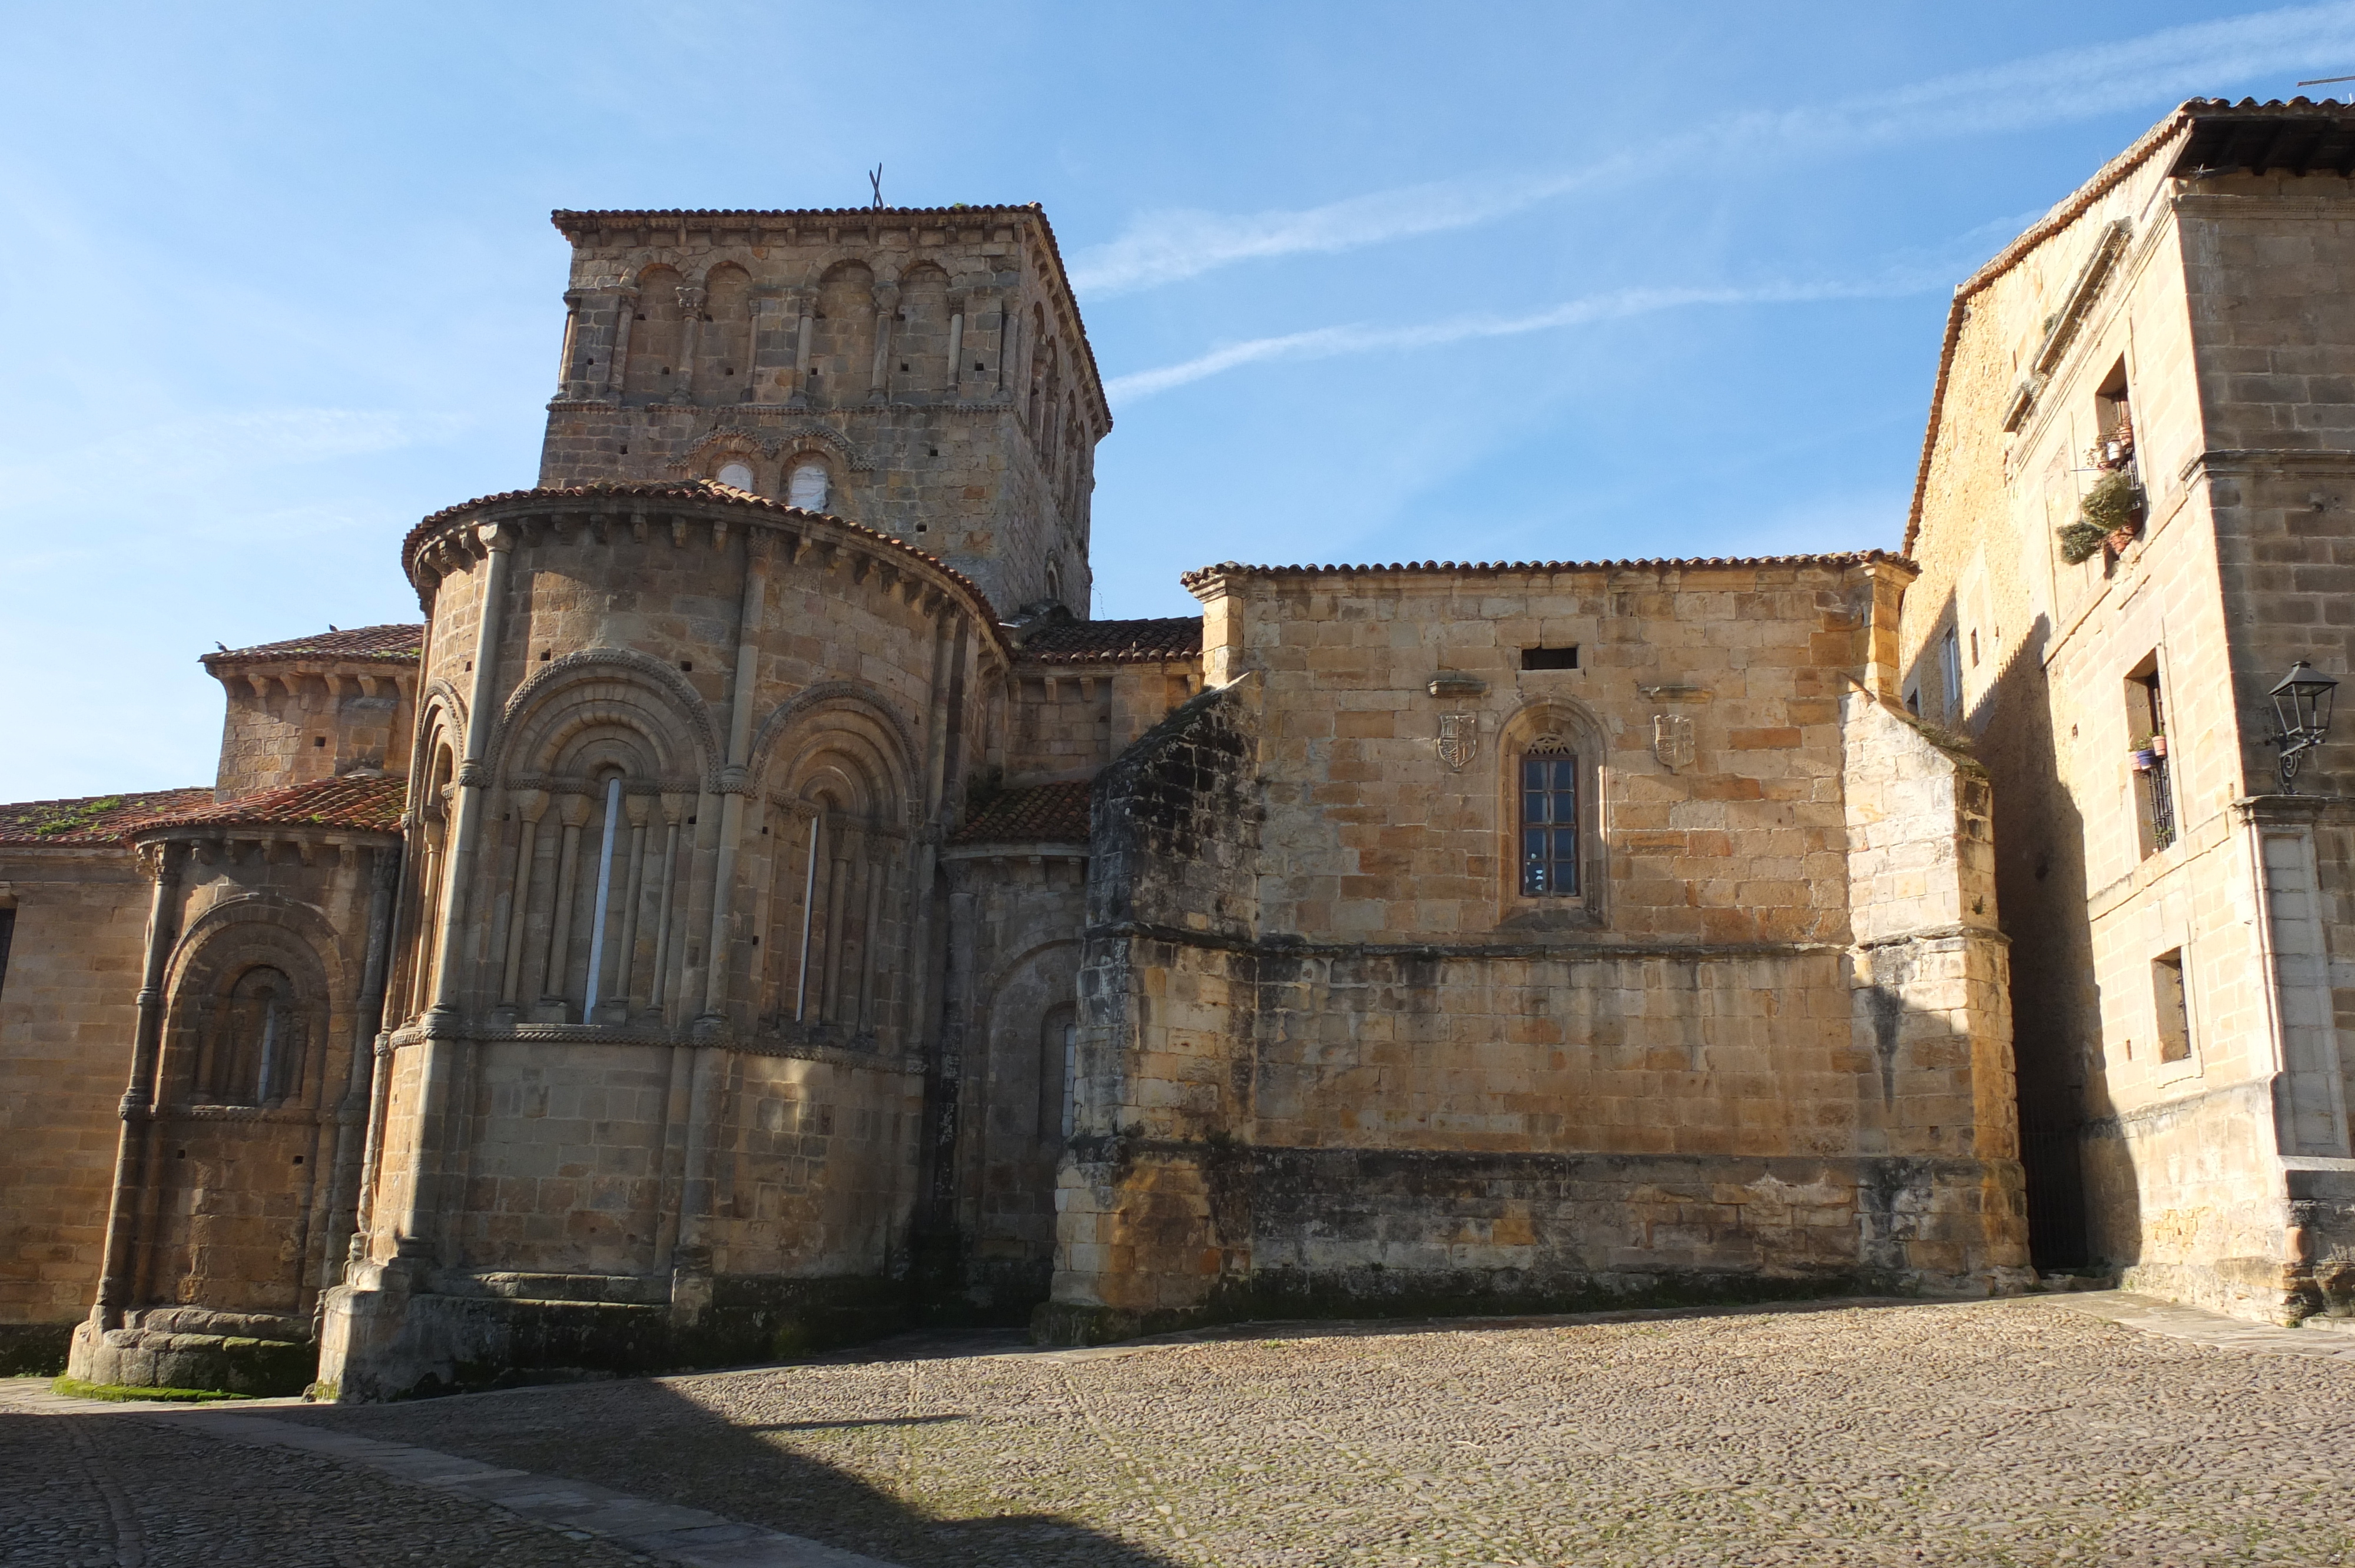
450,540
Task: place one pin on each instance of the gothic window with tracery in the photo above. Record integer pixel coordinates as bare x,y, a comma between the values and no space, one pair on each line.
1548,819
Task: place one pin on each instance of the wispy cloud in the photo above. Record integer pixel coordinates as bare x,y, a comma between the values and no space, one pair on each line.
177,452
1617,305
2070,84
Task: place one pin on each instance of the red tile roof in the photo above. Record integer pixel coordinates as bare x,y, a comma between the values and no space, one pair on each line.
366,803
92,819
401,644
1037,813
1142,642
1697,563
573,223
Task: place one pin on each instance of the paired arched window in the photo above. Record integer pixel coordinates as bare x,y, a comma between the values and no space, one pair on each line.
735,475
805,485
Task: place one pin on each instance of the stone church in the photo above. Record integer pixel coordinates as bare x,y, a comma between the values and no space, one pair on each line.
756,907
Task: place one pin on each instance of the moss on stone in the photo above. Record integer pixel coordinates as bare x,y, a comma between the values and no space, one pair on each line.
74,1388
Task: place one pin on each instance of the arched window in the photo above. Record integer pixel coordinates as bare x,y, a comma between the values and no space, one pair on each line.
1548,819
737,475
255,1054
806,487
1054,583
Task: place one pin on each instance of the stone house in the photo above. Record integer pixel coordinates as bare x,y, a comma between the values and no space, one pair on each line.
755,906
2132,520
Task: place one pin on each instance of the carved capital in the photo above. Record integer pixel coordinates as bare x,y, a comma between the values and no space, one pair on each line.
474,775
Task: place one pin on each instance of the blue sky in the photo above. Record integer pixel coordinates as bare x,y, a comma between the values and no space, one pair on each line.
1370,281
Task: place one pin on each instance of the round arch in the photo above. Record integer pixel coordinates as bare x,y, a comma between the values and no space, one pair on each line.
1564,739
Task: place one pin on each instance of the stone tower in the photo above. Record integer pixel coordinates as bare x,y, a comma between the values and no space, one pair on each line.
921,372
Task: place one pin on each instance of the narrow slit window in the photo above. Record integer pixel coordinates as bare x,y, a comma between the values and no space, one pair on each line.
2147,754
2173,1006
1549,822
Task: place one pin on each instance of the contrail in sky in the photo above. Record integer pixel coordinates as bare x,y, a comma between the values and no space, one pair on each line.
1324,342
2070,84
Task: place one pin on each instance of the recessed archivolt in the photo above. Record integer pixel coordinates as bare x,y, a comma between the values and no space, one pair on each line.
226,943
221,936
1553,718
440,717
611,701
846,727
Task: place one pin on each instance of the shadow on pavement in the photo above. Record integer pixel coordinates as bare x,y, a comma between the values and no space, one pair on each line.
647,1438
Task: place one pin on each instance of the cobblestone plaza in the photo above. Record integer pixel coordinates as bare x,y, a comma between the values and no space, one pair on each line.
2098,1428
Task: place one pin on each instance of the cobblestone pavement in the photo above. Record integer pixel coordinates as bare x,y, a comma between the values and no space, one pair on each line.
2032,1432
2013,1432
128,1487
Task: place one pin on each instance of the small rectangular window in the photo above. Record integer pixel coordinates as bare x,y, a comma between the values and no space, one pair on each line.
1550,658
1549,824
2173,1006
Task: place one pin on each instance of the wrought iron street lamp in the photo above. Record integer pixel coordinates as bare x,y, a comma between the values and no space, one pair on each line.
2302,704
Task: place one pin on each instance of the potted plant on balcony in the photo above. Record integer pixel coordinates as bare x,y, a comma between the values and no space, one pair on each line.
2114,506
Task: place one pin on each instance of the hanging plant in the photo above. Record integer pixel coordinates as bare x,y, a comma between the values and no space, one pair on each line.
2079,542
2113,506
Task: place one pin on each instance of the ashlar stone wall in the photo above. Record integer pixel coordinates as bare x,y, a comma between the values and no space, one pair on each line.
2150,1102
1334,1052
930,366
66,1010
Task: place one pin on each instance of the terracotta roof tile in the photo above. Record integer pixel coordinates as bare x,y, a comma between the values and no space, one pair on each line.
366,803
1035,813
1143,642
92,819
1443,568
403,644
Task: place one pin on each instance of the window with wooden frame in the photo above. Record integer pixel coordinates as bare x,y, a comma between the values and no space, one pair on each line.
1549,846
2172,1005
2147,755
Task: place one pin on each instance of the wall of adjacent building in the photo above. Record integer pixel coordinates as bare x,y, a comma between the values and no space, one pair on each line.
2142,1155
67,1007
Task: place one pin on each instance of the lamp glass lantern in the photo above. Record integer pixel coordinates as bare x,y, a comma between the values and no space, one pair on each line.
2302,706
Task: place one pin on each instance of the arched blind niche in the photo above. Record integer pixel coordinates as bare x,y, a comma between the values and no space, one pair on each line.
833,887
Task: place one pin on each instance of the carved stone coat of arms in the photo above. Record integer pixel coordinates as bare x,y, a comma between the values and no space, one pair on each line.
1672,740
1459,739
